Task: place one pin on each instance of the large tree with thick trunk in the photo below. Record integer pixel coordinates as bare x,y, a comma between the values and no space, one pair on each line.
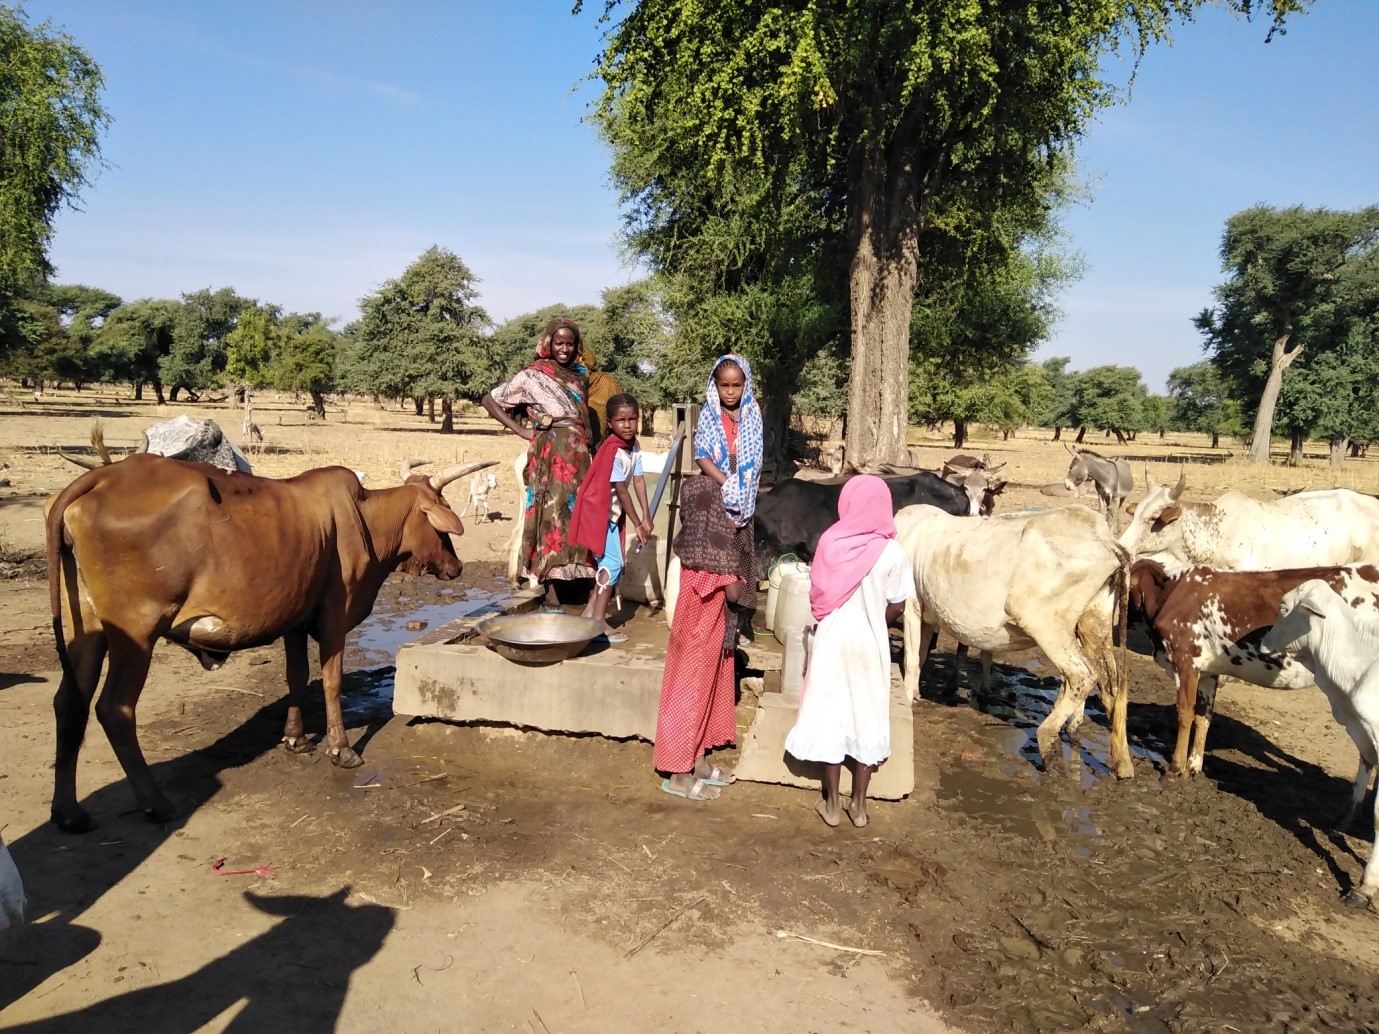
897,119
1298,280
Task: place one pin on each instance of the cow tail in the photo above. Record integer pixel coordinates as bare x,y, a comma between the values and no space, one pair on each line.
59,554
1121,586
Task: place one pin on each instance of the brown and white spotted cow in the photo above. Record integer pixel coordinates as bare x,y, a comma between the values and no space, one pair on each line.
1206,623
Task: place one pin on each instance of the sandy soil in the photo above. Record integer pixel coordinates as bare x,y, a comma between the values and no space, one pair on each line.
569,894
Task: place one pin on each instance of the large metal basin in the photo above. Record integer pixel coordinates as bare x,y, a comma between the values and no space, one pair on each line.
538,638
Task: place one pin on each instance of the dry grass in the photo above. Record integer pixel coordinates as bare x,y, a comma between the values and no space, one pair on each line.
377,439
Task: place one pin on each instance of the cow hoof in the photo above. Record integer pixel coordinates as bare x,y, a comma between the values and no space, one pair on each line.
73,819
344,757
1355,899
161,812
299,744
1175,773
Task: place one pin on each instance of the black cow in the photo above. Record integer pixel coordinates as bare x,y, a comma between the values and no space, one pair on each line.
791,517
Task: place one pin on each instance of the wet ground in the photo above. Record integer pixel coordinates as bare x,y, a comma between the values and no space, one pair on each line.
1009,898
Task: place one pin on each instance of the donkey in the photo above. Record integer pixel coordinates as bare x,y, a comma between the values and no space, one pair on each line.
1112,479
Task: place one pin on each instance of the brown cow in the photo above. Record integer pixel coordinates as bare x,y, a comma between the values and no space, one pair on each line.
216,561
1207,623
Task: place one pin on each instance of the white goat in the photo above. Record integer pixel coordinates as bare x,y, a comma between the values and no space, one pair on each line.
1340,647
484,482
12,899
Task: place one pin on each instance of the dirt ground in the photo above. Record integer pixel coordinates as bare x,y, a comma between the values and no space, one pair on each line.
487,879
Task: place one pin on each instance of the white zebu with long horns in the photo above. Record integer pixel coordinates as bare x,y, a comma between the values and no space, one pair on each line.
1339,645
1327,528
1054,580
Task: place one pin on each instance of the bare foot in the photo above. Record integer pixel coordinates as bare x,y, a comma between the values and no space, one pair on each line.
857,812
828,814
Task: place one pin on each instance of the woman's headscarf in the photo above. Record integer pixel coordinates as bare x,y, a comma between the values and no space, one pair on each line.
711,442
848,550
543,346
602,387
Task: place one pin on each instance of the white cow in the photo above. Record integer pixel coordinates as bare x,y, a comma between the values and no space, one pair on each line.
1341,648
1052,580
1327,528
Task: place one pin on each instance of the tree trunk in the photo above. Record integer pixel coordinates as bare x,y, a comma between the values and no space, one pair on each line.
1005,436
1295,449
1339,446
959,433
172,395
431,411
447,416
1215,440
318,403
1355,452
421,406
883,241
1120,438
1058,434
1081,433
648,420
1281,359
158,392
138,391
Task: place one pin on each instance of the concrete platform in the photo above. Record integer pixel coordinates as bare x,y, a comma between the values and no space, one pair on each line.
764,759
449,672
614,691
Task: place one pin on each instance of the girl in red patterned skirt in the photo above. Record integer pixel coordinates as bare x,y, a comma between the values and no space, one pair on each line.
698,710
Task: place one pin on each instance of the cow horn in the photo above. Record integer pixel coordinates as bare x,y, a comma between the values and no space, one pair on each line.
405,471
459,470
82,461
1178,488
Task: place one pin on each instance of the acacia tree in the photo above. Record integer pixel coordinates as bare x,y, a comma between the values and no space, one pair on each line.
51,119
1108,398
133,340
894,117
1199,400
198,355
1297,278
422,336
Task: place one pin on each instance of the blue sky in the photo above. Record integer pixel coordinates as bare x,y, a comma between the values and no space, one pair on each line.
304,152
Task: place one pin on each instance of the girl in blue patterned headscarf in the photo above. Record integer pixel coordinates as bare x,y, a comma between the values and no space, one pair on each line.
728,438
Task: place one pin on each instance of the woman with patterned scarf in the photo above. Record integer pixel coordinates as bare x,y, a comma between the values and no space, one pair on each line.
552,394
728,448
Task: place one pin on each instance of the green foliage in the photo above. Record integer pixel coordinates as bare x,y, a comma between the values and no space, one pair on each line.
850,147
1200,400
422,335
1057,408
198,356
250,346
1298,281
306,355
51,119
133,340
1109,398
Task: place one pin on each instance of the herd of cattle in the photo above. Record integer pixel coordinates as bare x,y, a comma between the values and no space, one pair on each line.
151,548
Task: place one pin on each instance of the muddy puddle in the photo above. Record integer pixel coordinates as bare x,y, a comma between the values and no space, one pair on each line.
371,652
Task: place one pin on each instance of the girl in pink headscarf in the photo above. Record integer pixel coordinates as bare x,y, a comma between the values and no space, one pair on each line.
860,581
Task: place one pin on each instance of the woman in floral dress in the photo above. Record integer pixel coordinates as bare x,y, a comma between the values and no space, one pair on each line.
552,395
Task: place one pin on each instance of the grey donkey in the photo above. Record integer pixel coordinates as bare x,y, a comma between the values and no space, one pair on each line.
1111,477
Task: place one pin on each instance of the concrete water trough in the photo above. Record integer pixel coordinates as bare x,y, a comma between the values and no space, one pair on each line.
451,672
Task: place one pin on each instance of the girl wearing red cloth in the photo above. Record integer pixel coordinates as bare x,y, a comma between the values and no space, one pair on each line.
603,499
698,709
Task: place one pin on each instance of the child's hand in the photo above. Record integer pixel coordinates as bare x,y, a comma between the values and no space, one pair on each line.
646,528
641,533
732,592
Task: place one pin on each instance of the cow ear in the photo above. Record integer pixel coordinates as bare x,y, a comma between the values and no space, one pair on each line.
1168,515
1311,606
443,518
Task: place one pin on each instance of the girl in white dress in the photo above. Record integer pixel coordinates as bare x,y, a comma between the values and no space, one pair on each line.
860,580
